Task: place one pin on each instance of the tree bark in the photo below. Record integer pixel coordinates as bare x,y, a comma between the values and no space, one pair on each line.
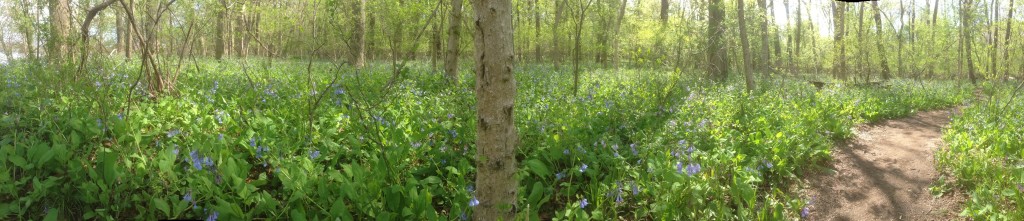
580,15
556,52
745,45
799,34
881,49
766,55
536,25
718,68
451,62
860,45
995,42
664,12
218,50
497,137
839,18
615,37
965,30
60,31
359,59
1006,47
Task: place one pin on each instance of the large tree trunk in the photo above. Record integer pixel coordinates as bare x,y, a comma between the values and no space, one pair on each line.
615,37
359,59
839,20
60,31
766,55
745,43
435,44
718,68
1006,47
881,49
556,52
965,30
218,50
536,26
451,62
664,12
860,45
497,137
799,34
995,42
581,15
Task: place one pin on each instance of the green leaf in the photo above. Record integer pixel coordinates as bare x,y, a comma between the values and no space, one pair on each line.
339,209
161,204
18,161
298,214
538,167
51,216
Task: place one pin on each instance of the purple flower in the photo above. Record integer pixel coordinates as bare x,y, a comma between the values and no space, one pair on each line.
692,168
196,161
633,148
463,216
559,175
120,116
768,164
252,142
679,167
804,212
450,116
474,202
173,133
583,168
566,151
636,189
213,216
314,154
187,197
584,203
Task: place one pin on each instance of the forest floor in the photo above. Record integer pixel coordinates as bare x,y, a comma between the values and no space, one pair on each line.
885,173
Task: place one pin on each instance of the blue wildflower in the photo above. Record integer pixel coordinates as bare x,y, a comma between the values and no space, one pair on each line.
615,147
692,168
632,147
566,151
175,151
220,137
470,188
213,216
805,212
768,164
474,202
679,167
450,116
583,168
207,161
120,116
559,175
196,161
314,154
636,189
584,203
187,197
172,133
463,216
252,142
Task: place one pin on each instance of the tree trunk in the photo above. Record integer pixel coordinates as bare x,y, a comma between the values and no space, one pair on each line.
536,25
451,62
615,37
746,46
664,12
497,137
839,18
995,42
359,59
766,55
556,55
435,44
899,43
860,45
218,50
1006,47
580,18
60,31
881,48
799,34
965,30
718,67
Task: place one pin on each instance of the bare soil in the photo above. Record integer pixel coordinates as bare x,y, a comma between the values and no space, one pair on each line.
884,173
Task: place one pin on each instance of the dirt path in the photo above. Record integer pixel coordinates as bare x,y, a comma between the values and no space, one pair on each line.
884,174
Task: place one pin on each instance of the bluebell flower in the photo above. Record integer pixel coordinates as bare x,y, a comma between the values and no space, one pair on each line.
450,116
213,216
689,150
615,147
470,188
618,197
463,216
120,116
679,167
583,168
187,196
805,212
559,175
220,137
632,147
474,202
416,145
768,164
175,151
584,203
252,142
196,161
314,154
207,161
173,133
566,151
453,133
692,168
339,91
